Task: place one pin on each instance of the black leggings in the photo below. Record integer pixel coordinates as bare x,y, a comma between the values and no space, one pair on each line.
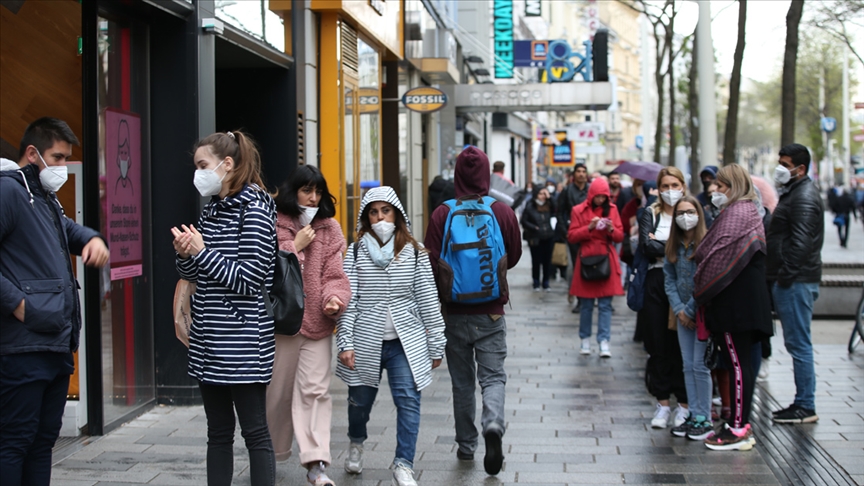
541,259
664,373
737,349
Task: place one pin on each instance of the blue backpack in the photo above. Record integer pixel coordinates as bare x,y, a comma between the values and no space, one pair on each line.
472,268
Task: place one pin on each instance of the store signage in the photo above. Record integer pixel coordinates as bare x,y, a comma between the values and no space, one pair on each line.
829,124
564,153
377,5
369,100
584,132
532,8
425,99
560,63
123,192
503,38
477,98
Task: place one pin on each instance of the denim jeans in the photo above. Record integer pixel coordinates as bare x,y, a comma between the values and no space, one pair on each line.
406,397
476,349
697,377
33,389
604,318
794,306
250,402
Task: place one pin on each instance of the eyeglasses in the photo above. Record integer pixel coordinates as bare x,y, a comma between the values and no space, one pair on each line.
691,212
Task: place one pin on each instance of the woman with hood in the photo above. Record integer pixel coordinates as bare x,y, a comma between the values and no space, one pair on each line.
298,399
393,322
596,226
538,231
230,254
731,271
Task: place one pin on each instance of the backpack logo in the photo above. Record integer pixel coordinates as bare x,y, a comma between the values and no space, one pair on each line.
473,265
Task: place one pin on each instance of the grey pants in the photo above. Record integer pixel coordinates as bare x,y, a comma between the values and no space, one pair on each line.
476,346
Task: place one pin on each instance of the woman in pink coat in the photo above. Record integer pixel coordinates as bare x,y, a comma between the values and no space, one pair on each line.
298,398
596,226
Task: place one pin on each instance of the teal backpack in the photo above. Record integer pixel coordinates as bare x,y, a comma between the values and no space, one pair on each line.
472,267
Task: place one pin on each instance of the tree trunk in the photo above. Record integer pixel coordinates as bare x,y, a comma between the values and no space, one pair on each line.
790,59
693,100
730,138
658,127
670,33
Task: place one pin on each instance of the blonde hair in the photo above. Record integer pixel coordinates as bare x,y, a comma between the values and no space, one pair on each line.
668,171
676,235
740,185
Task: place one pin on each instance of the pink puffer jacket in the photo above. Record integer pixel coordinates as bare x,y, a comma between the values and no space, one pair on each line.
323,277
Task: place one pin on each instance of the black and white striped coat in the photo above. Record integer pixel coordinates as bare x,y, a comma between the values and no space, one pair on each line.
231,338
407,288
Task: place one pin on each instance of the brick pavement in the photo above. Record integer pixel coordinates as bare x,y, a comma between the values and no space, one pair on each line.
571,420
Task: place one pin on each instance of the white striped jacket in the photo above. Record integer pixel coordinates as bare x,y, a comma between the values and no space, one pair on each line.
231,338
407,288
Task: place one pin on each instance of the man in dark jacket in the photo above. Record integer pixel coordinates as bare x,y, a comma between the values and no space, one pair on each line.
842,204
476,333
40,316
795,265
573,194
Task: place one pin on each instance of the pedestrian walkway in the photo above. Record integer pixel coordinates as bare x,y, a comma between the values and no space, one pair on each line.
572,420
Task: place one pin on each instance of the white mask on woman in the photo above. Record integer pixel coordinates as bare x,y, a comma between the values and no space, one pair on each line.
208,182
672,197
307,214
718,199
384,230
540,202
687,221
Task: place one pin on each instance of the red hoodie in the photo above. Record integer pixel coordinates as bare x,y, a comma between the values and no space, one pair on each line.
472,178
595,242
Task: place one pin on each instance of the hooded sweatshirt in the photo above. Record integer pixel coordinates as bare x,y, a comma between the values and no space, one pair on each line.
472,178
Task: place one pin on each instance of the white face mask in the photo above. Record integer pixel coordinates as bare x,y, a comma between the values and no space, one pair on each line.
384,230
672,197
124,167
718,199
551,189
540,202
52,177
687,221
782,175
307,214
208,182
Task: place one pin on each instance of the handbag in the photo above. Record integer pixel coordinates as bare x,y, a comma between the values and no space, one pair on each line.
286,302
559,254
183,309
595,267
712,354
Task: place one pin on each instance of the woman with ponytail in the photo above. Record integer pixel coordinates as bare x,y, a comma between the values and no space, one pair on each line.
230,255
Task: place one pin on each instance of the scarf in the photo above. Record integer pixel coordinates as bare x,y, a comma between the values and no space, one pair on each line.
734,238
381,255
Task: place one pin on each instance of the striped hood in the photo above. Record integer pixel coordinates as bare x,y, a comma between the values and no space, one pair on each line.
383,193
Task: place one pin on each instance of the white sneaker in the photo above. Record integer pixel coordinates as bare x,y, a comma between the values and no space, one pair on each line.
681,416
586,346
661,417
716,401
354,461
317,477
403,476
604,349
763,371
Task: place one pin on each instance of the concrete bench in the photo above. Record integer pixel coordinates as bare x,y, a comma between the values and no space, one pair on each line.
840,290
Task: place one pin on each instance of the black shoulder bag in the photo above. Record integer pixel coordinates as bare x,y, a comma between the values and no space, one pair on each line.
595,267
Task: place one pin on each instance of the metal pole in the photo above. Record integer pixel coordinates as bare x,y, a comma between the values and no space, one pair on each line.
646,87
707,108
844,150
825,166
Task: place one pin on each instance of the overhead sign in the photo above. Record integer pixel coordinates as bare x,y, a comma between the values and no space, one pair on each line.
563,154
640,141
858,137
424,99
503,38
480,98
859,106
369,100
829,124
556,57
532,8
530,53
584,132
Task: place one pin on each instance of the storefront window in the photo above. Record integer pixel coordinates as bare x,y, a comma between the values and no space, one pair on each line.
370,116
253,17
124,187
352,202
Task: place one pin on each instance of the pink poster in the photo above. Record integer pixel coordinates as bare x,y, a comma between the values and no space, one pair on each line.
123,192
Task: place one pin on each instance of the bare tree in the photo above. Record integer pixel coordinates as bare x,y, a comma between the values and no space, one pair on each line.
790,60
693,123
730,138
837,18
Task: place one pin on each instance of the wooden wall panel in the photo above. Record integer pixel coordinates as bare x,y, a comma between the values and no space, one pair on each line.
40,69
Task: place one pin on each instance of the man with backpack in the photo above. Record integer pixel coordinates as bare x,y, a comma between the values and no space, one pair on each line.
472,241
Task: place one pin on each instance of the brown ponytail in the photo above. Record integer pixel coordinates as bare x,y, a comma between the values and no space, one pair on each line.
244,151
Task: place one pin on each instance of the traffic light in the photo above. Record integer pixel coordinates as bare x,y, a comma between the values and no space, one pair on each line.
600,55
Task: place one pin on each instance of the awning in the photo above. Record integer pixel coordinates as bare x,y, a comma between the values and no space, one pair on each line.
575,96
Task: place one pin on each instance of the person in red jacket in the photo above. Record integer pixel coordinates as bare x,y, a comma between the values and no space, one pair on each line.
596,226
476,333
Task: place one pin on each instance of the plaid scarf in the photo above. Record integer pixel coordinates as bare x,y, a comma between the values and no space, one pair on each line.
735,236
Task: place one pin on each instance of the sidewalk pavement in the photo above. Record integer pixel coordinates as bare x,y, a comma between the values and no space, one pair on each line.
571,420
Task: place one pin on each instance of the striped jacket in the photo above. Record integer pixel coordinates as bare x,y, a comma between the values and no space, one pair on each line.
231,339
406,287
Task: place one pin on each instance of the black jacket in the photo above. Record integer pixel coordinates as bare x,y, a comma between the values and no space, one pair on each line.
569,197
795,236
536,224
36,239
654,250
